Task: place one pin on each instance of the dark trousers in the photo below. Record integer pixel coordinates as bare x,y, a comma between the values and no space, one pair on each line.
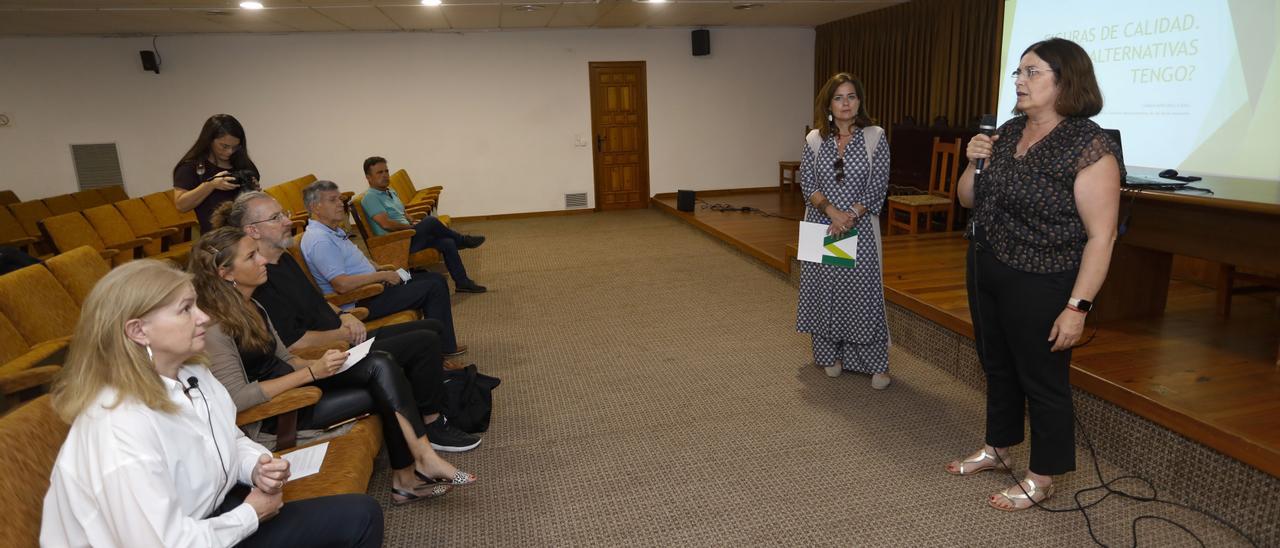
1013,313
426,292
335,521
416,348
392,395
431,233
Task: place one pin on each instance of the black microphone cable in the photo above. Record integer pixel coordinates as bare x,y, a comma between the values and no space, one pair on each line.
194,384
1103,484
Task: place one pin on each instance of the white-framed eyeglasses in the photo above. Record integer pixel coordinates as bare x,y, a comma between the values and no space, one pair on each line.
1030,72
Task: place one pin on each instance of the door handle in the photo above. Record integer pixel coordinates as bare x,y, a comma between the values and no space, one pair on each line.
600,143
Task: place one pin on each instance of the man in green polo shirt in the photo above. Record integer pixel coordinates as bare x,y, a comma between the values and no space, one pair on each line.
386,214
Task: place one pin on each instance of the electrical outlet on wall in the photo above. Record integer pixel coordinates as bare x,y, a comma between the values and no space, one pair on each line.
579,141
5,119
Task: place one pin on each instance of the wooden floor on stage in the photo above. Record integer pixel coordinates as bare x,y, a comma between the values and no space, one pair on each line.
1211,380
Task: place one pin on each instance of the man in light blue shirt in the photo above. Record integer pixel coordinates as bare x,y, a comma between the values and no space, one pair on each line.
338,266
386,214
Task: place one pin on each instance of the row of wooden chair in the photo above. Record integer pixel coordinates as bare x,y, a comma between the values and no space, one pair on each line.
76,201
20,223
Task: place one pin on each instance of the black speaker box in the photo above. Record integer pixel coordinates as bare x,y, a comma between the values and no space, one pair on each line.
701,42
149,61
684,200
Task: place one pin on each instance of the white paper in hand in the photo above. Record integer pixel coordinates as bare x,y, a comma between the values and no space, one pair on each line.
357,353
304,462
404,275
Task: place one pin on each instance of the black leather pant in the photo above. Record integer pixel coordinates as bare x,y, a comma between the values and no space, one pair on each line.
382,378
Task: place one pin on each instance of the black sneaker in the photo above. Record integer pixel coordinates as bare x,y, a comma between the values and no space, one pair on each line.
444,437
470,286
469,241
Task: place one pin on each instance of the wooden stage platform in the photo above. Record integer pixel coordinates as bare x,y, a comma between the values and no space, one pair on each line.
1213,381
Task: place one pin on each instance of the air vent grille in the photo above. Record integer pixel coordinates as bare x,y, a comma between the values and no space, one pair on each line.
97,165
575,200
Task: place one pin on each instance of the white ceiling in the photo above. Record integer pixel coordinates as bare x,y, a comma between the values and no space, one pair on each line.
147,17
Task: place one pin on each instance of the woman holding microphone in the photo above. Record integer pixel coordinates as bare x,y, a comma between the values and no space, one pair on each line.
1044,222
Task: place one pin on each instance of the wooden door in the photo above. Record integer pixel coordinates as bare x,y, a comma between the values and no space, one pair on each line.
620,134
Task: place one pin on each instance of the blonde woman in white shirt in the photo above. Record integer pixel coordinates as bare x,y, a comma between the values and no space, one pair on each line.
153,457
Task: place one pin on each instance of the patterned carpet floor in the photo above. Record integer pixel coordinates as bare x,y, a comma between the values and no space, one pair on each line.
655,393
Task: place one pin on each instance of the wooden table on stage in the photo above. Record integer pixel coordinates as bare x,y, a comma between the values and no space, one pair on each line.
1238,224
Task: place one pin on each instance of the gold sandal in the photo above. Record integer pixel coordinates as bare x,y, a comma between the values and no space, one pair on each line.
1034,493
981,463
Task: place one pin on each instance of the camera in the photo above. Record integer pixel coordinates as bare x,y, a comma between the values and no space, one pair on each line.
246,178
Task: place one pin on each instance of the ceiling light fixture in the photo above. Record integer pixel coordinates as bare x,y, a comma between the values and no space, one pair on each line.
251,5
528,7
431,3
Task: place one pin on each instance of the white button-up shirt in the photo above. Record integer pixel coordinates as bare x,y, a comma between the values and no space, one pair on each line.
131,476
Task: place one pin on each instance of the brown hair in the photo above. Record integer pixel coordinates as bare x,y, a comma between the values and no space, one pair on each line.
1078,92
102,355
218,298
822,104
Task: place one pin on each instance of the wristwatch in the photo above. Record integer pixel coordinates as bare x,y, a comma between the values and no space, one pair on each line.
1080,304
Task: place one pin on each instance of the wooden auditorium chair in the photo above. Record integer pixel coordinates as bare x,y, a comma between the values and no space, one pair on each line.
414,200
37,316
144,223
162,206
28,369
12,234
62,204
941,198
29,215
8,197
116,232
72,230
86,199
112,194
289,194
386,249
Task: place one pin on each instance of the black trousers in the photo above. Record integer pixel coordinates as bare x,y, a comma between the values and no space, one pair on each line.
427,292
416,348
336,521
1013,312
386,382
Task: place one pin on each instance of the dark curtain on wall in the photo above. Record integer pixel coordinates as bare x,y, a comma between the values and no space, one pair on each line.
924,58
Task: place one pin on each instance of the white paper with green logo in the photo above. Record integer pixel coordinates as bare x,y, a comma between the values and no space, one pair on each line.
816,247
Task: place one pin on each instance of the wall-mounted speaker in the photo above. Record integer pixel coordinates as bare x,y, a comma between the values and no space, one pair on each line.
149,61
684,200
701,42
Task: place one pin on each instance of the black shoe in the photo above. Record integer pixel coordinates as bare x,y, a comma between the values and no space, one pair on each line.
444,437
469,242
470,286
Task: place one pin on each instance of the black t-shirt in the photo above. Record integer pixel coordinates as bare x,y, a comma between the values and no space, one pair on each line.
189,175
294,305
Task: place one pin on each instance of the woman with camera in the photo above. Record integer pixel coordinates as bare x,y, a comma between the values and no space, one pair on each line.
214,170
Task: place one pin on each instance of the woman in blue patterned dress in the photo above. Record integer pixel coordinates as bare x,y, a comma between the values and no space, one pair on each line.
844,173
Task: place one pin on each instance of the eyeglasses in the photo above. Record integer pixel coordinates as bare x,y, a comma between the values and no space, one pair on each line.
281,216
1030,73
839,165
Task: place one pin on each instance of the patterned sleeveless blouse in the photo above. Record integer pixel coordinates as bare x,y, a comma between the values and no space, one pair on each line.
1027,206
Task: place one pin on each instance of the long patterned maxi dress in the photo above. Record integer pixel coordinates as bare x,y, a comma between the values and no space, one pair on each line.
843,308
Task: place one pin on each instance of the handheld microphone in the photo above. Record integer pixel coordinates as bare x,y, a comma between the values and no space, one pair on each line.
986,127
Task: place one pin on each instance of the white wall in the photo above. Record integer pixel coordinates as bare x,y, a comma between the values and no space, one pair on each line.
491,115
